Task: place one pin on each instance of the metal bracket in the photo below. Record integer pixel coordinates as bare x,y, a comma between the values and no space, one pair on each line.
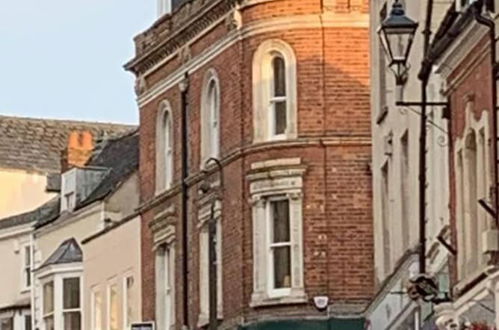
420,104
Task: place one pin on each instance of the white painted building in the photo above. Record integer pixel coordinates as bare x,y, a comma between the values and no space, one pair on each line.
30,164
395,167
92,198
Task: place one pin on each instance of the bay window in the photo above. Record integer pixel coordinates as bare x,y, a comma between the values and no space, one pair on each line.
62,303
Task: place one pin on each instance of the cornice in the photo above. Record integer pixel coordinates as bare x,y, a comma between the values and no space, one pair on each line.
454,55
181,36
327,20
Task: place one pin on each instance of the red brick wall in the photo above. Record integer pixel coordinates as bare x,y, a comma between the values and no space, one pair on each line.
472,80
333,103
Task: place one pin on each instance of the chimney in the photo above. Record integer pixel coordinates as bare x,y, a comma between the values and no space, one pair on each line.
79,150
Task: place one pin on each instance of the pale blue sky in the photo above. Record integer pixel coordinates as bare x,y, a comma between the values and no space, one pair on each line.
64,58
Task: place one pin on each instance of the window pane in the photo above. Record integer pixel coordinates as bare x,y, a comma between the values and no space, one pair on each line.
282,267
280,216
113,317
7,324
97,310
280,117
48,298
71,293
49,323
27,256
129,302
27,322
279,76
72,321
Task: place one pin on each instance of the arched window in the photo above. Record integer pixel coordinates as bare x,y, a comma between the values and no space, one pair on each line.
210,123
168,149
274,92
164,152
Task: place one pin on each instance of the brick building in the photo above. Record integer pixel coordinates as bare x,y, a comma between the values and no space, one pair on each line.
278,91
462,54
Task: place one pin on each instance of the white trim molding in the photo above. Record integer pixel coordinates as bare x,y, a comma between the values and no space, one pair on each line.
264,104
284,182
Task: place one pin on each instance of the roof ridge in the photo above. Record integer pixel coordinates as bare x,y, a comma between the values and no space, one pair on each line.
66,121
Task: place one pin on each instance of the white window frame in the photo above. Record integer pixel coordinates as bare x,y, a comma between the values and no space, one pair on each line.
263,99
273,99
165,290
204,292
96,322
73,310
126,302
110,285
165,141
267,185
210,117
58,312
27,266
53,312
272,290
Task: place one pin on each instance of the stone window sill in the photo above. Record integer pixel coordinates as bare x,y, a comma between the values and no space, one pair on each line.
298,296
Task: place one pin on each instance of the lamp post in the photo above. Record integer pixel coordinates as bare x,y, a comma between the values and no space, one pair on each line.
397,33
212,246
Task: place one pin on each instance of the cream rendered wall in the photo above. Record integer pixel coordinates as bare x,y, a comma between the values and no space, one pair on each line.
12,242
21,191
108,259
398,121
79,225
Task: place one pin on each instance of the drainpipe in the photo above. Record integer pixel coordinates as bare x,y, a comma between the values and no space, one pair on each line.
490,24
422,143
184,107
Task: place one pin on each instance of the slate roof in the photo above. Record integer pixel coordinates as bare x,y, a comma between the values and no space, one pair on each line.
68,252
36,144
49,210
121,157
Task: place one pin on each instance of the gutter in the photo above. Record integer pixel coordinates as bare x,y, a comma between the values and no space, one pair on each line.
184,106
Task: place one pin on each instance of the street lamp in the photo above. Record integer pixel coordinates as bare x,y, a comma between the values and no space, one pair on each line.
212,248
397,33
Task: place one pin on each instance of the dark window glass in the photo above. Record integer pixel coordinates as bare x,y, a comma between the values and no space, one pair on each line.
72,321
282,267
279,68
280,210
71,293
280,113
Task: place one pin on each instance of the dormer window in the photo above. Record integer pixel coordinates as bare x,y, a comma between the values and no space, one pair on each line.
77,184
164,7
